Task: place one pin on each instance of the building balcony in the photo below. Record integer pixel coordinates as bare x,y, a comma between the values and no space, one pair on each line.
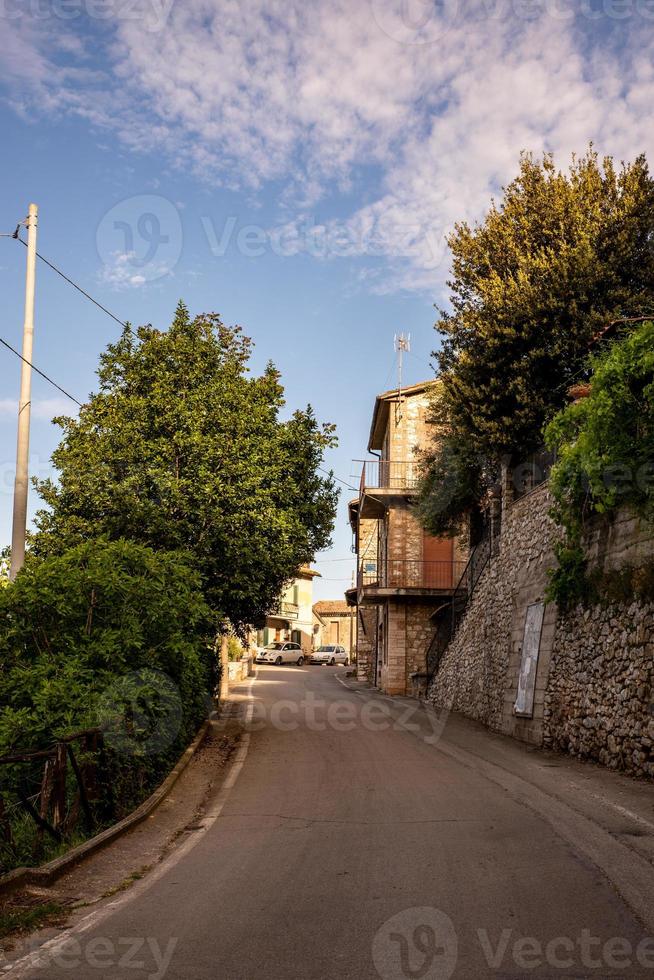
393,577
286,610
382,480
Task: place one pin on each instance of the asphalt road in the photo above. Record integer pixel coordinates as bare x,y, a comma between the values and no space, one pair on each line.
349,844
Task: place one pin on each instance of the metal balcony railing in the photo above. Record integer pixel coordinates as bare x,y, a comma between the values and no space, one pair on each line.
396,573
390,474
288,610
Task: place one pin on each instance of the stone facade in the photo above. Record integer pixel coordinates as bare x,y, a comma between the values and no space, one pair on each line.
333,622
366,643
478,675
409,573
598,703
592,693
407,425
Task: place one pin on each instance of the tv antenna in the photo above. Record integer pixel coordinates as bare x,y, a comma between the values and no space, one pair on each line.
402,344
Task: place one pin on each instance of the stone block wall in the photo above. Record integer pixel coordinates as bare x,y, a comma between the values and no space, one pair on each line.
478,675
393,671
599,702
403,534
366,642
407,426
593,692
419,631
408,633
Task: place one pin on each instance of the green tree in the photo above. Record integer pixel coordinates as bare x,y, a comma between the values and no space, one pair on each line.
558,258
183,449
5,565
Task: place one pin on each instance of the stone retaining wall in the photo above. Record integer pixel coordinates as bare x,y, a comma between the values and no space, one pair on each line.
479,671
599,698
593,691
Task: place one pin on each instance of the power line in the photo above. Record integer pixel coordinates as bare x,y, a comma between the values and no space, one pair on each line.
338,479
323,561
71,282
42,373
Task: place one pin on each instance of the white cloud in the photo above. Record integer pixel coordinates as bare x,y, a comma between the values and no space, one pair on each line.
43,409
119,272
431,104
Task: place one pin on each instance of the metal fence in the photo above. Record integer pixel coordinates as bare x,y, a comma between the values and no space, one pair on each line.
56,786
398,573
390,474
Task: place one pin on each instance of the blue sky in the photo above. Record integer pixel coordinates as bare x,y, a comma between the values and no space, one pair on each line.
294,167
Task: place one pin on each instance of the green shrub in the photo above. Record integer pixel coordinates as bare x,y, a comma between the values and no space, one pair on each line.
235,649
71,626
605,452
112,636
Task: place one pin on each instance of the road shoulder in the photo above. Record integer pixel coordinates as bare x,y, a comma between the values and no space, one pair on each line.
129,859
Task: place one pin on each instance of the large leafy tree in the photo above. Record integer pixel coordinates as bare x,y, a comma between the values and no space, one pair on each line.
559,257
183,449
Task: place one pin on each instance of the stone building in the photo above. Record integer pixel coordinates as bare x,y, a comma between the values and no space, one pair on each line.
402,572
293,618
333,622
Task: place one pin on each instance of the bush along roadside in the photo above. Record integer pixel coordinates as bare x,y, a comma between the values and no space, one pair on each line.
605,460
107,665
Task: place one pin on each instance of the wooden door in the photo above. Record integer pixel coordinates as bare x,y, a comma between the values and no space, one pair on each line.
437,556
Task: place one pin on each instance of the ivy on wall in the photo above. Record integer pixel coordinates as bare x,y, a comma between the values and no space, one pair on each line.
605,455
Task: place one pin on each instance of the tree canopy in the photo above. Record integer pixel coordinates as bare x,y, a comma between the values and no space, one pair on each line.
559,257
183,449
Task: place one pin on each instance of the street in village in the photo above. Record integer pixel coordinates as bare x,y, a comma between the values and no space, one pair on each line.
357,836
327,472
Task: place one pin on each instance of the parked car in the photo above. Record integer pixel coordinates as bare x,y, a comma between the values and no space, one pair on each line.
331,655
281,653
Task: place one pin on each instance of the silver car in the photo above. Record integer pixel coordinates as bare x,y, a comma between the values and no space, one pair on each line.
331,655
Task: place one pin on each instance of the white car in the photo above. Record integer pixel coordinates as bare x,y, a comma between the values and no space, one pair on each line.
281,653
332,654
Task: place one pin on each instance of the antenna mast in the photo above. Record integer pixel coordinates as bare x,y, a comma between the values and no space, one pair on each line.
401,344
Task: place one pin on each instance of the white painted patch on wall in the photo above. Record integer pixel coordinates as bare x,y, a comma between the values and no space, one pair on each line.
524,702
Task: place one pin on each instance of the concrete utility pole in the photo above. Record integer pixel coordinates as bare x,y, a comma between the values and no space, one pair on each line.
21,483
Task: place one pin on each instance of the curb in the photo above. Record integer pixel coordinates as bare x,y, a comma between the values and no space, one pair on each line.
47,873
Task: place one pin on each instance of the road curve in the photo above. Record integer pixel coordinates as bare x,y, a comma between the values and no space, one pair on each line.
347,845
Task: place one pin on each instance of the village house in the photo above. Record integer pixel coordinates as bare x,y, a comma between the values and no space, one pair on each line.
293,618
403,573
334,623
